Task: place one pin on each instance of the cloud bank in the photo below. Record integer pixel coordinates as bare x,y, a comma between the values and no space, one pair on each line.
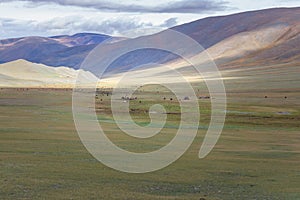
179,6
75,24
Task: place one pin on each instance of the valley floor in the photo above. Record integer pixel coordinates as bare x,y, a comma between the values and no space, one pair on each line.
257,156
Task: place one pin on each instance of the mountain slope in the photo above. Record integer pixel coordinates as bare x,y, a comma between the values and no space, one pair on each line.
275,44
270,43
285,50
210,31
262,36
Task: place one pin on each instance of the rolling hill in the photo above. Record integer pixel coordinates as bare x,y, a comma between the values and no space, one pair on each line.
22,73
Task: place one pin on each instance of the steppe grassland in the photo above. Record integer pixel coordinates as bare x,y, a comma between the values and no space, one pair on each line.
257,156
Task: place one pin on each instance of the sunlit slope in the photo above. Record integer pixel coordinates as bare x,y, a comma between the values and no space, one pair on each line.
21,73
267,55
275,44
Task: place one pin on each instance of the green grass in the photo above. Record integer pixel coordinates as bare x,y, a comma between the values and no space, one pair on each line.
257,156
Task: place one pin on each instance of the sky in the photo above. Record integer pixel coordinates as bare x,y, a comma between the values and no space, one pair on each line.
128,18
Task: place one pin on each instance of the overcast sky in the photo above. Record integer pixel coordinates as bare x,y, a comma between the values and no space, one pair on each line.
114,17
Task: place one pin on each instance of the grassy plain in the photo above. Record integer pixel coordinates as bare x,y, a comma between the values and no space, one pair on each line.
257,156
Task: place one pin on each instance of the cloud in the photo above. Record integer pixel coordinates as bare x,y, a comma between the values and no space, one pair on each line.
12,27
179,6
130,27
170,22
80,24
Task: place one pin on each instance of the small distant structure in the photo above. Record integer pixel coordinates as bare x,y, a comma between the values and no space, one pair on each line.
186,98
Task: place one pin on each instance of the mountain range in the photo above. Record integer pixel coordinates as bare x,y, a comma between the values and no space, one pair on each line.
53,51
252,38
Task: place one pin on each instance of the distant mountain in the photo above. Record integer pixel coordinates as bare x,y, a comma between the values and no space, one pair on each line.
52,51
81,39
29,48
249,38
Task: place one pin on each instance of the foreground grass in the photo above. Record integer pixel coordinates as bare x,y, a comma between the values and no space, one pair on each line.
257,157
